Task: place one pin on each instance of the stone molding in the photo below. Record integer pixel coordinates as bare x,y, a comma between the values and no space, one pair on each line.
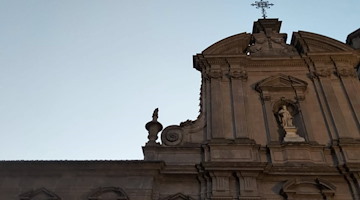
178,196
235,44
99,192
39,192
295,188
307,42
281,83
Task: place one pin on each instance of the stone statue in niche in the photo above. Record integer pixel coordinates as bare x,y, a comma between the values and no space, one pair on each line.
285,117
286,120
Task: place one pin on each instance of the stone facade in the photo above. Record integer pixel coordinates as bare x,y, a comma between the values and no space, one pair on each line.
353,39
277,121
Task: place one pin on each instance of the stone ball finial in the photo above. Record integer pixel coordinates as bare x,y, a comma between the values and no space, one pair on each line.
153,127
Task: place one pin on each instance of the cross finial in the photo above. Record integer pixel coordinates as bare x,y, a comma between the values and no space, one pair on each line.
262,4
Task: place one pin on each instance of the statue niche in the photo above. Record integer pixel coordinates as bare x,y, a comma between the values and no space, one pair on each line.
285,113
281,95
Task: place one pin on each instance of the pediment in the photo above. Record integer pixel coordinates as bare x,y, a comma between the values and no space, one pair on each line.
307,42
39,194
178,196
233,45
280,82
317,187
108,193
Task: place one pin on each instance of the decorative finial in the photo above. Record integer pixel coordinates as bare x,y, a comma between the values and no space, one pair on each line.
263,5
153,127
155,115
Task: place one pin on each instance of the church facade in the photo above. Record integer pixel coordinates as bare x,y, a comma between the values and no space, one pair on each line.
277,122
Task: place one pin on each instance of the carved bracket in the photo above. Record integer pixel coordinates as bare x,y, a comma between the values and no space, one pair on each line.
346,72
238,74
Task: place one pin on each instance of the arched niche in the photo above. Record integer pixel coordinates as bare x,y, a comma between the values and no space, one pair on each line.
39,194
108,193
301,189
277,91
293,108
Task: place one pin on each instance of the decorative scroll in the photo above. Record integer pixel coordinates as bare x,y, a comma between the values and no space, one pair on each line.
172,135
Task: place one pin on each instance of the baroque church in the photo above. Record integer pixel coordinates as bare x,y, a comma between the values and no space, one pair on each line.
277,122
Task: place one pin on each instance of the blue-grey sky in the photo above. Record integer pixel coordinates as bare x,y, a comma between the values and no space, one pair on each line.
80,78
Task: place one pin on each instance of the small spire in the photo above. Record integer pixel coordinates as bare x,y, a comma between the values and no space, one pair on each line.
263,5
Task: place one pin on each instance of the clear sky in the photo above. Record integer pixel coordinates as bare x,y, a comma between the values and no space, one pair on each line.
79,79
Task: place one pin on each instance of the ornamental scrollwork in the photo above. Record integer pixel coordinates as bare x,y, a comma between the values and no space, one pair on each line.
172,135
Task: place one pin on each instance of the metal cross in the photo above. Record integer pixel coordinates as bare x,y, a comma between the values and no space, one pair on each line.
262,4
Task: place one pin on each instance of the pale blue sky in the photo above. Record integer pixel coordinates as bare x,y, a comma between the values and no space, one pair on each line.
80,78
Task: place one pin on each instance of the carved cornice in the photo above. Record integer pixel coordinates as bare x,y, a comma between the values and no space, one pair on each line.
307,42
242,61
234,45
275,63
321,60
216,61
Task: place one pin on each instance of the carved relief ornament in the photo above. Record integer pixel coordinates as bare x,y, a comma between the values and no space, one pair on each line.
346,72
323,72
238,74
213,74
172,135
